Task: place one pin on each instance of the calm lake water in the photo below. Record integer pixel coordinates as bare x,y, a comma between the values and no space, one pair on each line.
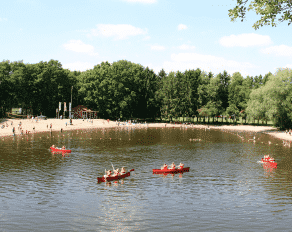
225,190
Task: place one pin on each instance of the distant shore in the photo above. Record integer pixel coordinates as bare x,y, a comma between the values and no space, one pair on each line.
33,126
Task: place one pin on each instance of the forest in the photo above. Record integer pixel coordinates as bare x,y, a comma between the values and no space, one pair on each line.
127,90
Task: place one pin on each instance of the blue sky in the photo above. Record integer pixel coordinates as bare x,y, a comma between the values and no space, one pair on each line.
169,34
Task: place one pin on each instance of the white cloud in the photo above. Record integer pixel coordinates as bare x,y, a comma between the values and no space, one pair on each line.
147,38
119,31
3,19
79,46
186,47
157,47
182,27
141,1
281,50
78,66
245,40
185,61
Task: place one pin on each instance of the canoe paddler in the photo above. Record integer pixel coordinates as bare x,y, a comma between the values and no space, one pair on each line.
53,146
172,166
63,147
116,172
123,170
164,167
267,157
108,173
181,166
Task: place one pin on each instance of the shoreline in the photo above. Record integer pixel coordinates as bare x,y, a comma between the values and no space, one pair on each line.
58,124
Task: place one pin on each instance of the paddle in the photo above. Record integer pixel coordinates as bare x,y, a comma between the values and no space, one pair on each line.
113,167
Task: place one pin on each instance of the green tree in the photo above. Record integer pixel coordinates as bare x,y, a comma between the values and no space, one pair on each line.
120,90
193,78
267,9
169,96
266,77
236,95
273,101
210,96
223,80
158,96
7,91
51,86
258,81
203,89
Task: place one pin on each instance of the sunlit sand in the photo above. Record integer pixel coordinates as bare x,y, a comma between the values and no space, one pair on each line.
33,126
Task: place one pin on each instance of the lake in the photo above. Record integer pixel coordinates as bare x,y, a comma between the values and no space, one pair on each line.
225,190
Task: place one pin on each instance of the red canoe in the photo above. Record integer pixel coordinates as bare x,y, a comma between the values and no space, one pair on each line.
270,164
267,162
56,149
110,178
174,170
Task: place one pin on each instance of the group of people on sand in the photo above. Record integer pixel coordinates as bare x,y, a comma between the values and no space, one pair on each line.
172,166
116,172
267,158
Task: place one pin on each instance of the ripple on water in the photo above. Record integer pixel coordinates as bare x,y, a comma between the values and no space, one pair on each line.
225,188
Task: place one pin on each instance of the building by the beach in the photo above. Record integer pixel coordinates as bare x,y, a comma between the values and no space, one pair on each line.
83,112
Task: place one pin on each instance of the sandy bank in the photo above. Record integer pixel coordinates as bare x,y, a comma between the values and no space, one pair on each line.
33,126
264,129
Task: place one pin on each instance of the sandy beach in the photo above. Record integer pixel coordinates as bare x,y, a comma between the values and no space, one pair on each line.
264,129
33,126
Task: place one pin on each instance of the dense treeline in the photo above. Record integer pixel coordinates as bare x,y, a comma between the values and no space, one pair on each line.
35,86
128,90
